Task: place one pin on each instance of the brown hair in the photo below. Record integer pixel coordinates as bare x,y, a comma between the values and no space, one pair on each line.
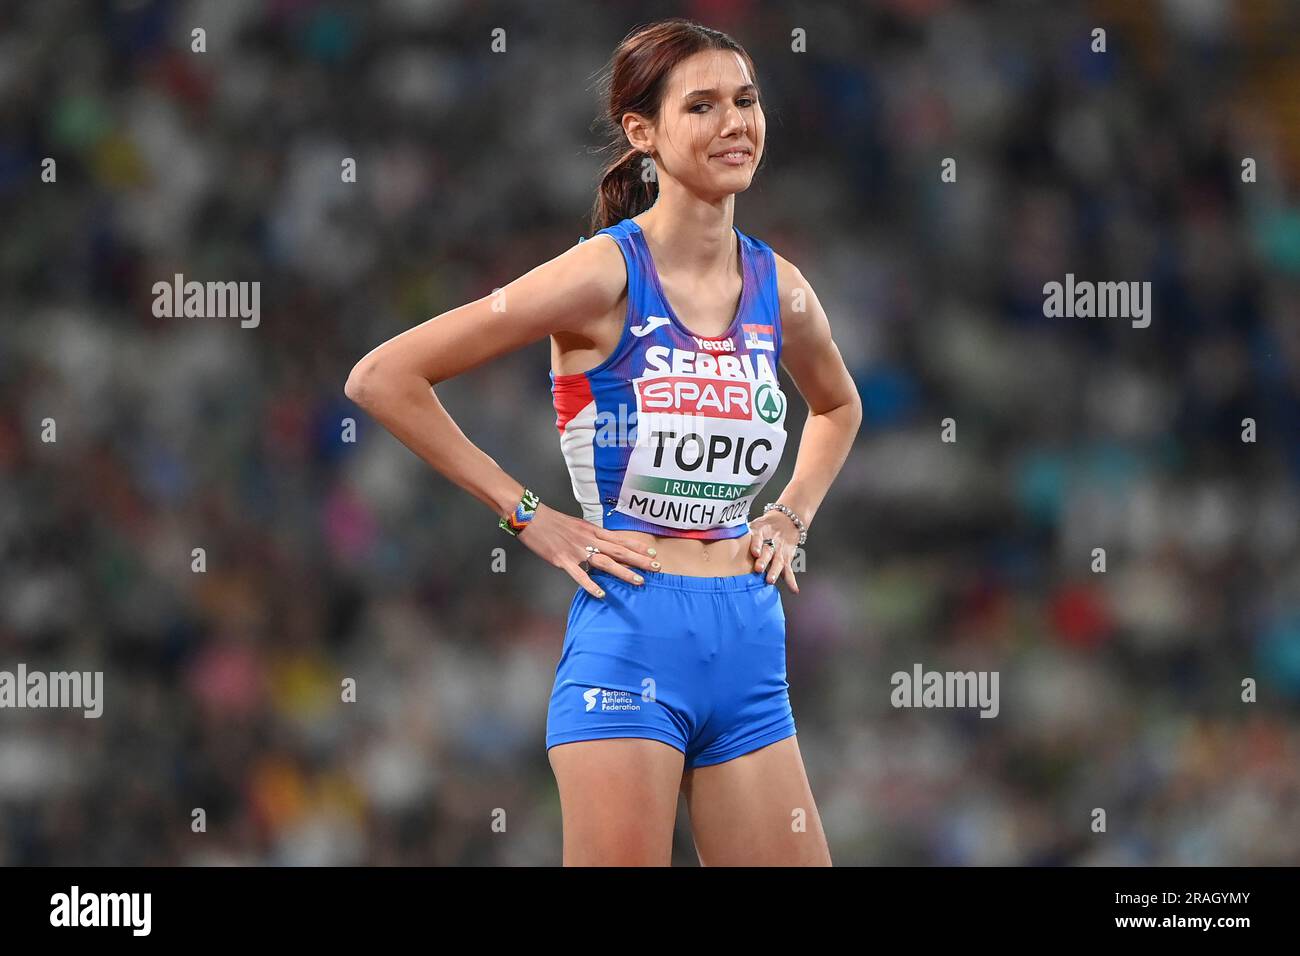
634,83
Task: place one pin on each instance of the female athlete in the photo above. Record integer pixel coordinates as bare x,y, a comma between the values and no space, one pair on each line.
667,328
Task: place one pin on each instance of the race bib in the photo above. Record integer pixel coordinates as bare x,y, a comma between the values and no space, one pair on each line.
704,448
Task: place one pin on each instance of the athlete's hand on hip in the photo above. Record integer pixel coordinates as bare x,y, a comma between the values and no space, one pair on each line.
776,558
562,540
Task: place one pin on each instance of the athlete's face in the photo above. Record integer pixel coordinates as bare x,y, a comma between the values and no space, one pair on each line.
710,107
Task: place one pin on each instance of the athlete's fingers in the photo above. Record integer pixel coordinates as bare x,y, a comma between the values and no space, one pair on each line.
586,583
788,574
766,552
626,555
606,563
613,537
774,569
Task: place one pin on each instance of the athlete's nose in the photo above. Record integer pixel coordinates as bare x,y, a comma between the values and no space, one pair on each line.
735,120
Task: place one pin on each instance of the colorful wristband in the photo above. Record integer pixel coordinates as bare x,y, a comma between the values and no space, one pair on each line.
523,514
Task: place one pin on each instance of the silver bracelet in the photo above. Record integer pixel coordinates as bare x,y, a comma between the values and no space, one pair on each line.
798,522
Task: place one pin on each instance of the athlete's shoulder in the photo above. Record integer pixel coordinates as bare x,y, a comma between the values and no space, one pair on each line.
603,256
786,275
788,278
786,272
793,291
589,277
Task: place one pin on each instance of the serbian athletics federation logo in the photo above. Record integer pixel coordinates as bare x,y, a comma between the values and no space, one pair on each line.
758,337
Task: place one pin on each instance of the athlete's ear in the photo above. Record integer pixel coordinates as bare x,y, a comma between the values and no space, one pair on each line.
639,132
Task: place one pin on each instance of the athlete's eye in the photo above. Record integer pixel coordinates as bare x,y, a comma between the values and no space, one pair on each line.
744,102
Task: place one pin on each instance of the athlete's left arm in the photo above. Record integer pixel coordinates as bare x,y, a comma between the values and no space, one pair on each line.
811,357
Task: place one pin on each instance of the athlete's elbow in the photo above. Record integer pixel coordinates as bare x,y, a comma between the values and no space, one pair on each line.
360,386
849,413
855,406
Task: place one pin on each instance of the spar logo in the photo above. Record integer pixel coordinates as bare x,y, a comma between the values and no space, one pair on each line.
769,402
711,398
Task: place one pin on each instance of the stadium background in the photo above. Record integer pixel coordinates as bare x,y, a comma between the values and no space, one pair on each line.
328,560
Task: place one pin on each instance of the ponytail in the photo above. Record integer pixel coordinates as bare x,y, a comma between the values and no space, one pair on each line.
624,191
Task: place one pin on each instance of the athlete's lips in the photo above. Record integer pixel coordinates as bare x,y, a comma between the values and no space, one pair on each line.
732,149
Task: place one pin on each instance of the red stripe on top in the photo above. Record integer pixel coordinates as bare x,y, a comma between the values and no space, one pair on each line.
572,394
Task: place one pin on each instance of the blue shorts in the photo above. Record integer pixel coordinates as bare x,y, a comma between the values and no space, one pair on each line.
695,662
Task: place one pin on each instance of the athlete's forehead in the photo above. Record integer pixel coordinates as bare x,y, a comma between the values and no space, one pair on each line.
721,72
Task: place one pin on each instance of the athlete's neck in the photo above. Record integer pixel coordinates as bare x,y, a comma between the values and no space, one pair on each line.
699,243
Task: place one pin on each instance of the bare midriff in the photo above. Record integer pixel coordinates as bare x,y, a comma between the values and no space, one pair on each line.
695,558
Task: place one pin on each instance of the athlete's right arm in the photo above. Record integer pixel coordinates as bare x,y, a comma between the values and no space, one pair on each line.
394,384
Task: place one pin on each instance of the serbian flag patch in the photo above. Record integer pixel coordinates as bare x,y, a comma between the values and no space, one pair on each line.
758,337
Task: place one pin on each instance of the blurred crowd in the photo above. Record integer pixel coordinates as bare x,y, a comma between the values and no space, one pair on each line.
225,736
